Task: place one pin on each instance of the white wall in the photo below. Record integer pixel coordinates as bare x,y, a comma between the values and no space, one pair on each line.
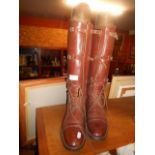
41,96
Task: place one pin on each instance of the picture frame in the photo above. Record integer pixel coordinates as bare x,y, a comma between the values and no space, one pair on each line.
122,86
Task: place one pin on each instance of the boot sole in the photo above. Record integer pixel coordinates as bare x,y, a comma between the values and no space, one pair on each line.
69,147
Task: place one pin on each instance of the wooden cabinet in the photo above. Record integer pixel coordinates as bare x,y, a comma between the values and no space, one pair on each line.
28,63
26,104
41,63
44,37
123,58
42,54
43,45
52,63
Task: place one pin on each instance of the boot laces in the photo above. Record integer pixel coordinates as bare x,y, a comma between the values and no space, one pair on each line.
98,96
75,100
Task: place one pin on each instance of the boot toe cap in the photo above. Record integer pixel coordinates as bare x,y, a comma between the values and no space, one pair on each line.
97,129
73,138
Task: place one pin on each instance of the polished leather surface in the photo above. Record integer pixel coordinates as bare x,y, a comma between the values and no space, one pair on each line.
79,46
102,46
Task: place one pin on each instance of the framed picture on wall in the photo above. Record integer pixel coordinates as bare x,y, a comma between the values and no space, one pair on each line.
122,86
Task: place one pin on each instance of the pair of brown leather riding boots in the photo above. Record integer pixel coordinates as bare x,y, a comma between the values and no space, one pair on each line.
89,52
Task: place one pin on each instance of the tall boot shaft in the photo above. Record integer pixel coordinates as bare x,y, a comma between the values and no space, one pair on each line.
102,46
79,46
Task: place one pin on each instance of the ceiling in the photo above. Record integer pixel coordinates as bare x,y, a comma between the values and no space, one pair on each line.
58,10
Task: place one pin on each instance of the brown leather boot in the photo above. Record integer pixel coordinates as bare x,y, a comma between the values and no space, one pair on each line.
79,42
102,46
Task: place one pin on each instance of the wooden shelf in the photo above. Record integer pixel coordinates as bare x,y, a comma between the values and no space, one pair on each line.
50,63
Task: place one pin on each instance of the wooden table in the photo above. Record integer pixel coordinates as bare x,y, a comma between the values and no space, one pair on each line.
120,116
